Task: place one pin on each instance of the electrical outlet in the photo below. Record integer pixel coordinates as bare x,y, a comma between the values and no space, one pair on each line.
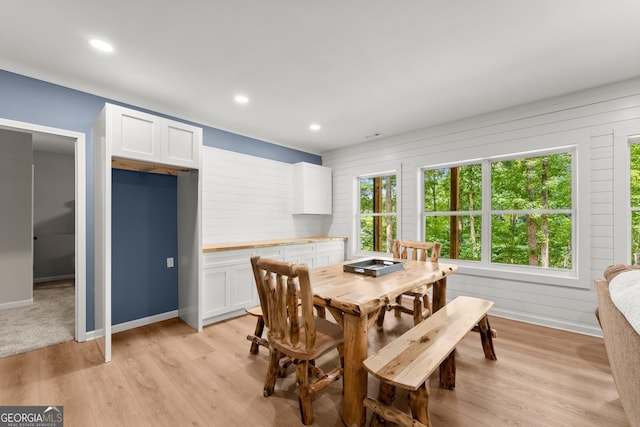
170,262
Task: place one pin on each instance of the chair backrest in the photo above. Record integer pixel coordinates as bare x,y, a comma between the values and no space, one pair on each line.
284,290
411,249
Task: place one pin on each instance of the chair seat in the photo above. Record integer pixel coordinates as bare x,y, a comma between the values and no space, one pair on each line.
328,335
255,311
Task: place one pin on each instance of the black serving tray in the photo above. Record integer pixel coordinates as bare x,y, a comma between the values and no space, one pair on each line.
374,267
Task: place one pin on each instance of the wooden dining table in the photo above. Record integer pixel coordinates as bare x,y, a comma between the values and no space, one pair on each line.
353,299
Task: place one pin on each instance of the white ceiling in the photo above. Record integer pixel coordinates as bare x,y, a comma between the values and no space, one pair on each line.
357,67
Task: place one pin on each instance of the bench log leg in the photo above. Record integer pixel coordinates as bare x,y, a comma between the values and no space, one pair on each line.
448,371
391,414
419,404
486,338
386,396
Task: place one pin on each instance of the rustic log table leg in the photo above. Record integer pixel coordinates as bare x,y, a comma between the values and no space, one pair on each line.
448,365
355,376
439,294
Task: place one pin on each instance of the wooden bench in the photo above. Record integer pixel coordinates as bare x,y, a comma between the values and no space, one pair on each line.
409,360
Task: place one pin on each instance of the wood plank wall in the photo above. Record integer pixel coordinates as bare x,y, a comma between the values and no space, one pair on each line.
248,198
596,121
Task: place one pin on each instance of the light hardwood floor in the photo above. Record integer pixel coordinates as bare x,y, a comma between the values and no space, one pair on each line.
166,374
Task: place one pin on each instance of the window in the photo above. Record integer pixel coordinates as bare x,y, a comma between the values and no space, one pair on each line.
531,216
634,156
513,210
453,210
377,212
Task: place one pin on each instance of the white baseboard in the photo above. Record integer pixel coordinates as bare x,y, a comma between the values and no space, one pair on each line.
91,335
52,278
594,331
16,304
216,319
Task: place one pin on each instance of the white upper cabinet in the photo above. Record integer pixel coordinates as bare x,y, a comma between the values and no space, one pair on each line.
180,144
141,136
311,189
134,134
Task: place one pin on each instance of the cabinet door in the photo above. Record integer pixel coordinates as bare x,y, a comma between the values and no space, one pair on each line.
329,252
215,291
243,288
301,254
311,189
181,144
327,258
135,135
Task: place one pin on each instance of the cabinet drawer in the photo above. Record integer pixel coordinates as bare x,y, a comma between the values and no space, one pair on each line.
274,252
216,259
331,246
297,250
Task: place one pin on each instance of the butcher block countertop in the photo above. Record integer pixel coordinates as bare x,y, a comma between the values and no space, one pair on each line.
231,246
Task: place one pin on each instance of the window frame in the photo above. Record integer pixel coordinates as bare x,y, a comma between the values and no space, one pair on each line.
622,137
356,236
631,140
422,209
485,267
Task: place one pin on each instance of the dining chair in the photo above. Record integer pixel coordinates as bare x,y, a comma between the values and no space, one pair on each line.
286,299
421,307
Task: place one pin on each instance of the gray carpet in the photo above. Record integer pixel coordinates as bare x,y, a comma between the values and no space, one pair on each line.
49,320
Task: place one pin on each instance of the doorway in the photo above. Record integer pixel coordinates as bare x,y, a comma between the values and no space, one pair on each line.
73,143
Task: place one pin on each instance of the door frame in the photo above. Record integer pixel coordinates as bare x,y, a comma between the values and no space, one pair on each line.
80,213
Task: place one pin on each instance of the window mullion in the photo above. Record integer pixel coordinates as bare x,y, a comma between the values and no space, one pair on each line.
485,257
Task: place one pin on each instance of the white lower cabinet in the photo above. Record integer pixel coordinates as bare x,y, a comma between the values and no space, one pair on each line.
228,284
301,254
215,292
329,252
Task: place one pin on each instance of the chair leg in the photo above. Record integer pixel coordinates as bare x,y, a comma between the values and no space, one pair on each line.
381,312
304,392
257,334
340,348
427,305
417,310
272,372
397,310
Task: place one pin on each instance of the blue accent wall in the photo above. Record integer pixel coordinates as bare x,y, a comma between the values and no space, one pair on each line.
144,234
35,101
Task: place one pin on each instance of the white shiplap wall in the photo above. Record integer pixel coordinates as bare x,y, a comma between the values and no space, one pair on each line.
248,198
588,120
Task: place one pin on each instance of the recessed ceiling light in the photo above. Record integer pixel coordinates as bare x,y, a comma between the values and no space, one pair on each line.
101,45
241,99
314,127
